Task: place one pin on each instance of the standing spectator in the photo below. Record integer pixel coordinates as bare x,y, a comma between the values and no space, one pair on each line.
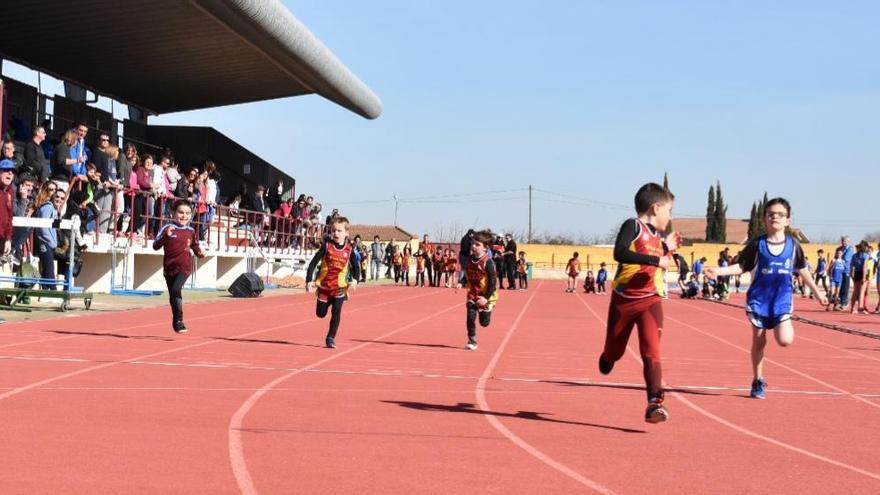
103,142
62,165
332,217
497,250
390,249
275,194
510,261
186,185
377,255
428,248
464,250
80,152
573,269
106,190
23,208
143,199
601,277
172,176
822,269
47,237
683,270
7,199
35,162
848,252
439,262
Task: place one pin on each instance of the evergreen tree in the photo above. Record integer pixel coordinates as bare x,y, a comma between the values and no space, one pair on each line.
666,186
720,215
752,219
761,228
710,216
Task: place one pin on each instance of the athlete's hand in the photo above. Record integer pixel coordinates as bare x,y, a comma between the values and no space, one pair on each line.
710,272
673,241
664,262
7,247
310,286
482,302
823,300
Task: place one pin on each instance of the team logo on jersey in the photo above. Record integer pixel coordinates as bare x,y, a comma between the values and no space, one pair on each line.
646,237
787,264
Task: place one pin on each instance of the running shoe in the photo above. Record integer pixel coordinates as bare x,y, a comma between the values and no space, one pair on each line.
179,327
605,366
471,346
330,343
656,413
758,389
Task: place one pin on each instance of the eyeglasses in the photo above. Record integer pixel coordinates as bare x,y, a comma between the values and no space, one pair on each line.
105,139
776,214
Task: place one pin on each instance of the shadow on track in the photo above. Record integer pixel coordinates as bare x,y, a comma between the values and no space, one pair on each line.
627,387
387,342
113,335
265,341
464,407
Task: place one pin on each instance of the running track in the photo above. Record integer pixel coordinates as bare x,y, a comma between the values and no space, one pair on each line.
250,402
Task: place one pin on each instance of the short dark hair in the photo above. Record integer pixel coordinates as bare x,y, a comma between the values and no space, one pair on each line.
484,237
181,202
779,201
78,196
651,193
575,254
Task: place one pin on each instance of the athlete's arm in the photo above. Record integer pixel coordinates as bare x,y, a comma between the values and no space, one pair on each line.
493,280
746,262
310,273
623,254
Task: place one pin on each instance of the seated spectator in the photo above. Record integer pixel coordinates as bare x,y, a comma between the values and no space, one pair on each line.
590,283
690,288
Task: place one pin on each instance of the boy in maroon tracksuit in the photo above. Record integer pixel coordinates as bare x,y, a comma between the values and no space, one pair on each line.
178,239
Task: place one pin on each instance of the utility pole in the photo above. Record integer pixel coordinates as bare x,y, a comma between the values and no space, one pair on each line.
395,209
530,213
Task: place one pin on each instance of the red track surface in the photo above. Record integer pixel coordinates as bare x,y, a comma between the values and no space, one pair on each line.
250,402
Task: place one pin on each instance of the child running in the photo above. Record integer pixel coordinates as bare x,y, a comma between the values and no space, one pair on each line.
573,269
178,240
481,280
774,257
338,274
639,288
522,271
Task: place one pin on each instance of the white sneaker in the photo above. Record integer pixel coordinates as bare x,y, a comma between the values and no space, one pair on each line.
471,346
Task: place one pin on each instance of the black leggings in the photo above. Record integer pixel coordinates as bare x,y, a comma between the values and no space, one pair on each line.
335,314
175,294
420,278
472,313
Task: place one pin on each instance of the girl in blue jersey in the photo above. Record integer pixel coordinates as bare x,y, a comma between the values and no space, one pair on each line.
836,270
773,259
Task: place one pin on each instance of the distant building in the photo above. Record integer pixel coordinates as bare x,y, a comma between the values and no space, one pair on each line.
694,230
385,233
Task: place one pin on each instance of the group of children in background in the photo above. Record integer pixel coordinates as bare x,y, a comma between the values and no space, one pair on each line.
593,284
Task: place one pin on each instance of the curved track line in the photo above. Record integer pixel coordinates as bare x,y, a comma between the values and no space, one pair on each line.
236,447
513,437
746,431
777,363
71,374
831,346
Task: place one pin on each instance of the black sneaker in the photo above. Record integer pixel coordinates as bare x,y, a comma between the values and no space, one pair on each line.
605,366
330,343
179,327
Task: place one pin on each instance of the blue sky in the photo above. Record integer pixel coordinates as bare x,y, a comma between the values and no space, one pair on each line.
586,99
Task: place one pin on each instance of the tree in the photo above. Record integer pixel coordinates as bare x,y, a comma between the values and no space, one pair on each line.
720,215
666,186
761,228
710,216
753,218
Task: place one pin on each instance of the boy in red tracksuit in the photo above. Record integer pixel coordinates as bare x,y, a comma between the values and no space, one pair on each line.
339,272
639,288
180,242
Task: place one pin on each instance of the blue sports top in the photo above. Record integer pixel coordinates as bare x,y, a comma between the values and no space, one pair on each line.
838,268
771,293
822,265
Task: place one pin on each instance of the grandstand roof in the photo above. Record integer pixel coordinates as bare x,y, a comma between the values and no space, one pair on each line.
172,55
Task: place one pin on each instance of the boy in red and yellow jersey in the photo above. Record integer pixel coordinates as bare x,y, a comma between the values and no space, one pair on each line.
339,272
573,269
638,289
450,267
481,279
180,242
522,271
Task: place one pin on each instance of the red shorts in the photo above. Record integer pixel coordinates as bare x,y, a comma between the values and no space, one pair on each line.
326,295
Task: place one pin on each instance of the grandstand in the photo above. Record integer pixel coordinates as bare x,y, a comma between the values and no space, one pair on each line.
193,55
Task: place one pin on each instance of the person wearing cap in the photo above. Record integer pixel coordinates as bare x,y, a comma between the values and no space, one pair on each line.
7,199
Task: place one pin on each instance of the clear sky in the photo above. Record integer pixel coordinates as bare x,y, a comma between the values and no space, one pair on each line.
587,100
